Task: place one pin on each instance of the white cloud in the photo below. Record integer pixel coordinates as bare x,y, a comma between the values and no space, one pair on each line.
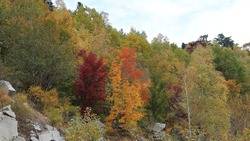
180,20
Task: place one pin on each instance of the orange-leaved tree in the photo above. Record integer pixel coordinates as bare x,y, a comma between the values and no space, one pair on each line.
129,65
128,91
125,99
116,98
132,71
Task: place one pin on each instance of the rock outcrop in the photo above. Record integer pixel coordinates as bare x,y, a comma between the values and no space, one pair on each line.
46,133
8,125
7,86
9,129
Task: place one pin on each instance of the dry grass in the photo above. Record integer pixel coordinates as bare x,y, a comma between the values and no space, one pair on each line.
4,99
26,115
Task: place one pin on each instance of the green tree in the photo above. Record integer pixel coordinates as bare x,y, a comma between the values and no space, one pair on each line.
165,70
40,47
5,7
137,40
224,41
208,96
228,62
96,35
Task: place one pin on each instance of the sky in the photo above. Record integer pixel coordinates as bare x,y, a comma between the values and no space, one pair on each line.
179,20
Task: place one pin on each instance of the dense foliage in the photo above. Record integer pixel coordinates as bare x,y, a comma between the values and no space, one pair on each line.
63,59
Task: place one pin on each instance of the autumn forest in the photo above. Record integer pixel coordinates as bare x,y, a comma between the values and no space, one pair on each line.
74,68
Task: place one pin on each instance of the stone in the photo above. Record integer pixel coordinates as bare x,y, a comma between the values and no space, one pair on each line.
158,131
9,132
32,133
158,127
19,139
8,112
33,139
7,85
49,128
101,126
101,139
37,127
8,125
159,136
50,136
33,136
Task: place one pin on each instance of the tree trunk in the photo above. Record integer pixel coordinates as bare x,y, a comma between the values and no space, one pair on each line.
188,107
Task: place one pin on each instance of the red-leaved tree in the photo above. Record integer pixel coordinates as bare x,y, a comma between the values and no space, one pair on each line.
90,81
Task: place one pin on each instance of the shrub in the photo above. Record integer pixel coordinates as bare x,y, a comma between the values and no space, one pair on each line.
84,129
47,102
245,136
55,116
68,110
41,99
59,112
21,108
59,116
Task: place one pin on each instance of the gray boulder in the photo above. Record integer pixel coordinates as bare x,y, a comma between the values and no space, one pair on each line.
6,85
50,135
8,124
37,127
158,131
45,133
158,127
8,112
19,139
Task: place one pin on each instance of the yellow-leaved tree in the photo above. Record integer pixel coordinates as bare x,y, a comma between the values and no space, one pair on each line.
207,96
133,104
115,98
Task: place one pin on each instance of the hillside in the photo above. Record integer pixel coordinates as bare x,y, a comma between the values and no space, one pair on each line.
76,75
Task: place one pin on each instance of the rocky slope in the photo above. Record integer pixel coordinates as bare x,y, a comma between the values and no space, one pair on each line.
38,131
